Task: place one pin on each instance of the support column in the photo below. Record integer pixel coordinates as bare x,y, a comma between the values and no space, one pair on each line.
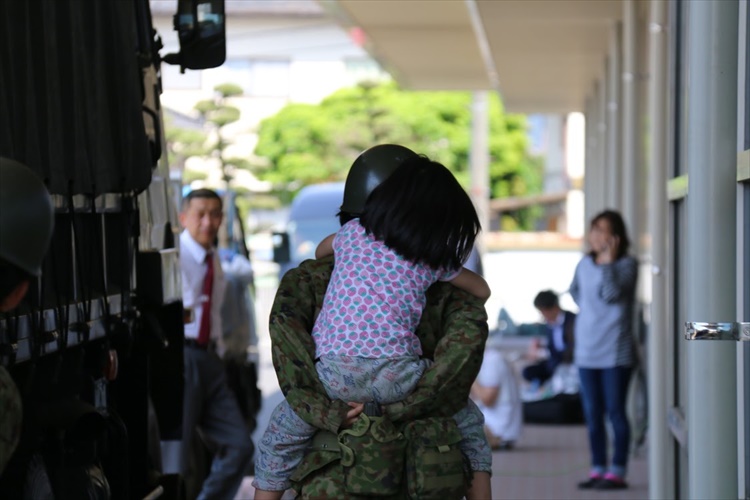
480,158
594,184
630,124
590,155
743,259
613,120
554,174
660,461
574,167
603,167
710,245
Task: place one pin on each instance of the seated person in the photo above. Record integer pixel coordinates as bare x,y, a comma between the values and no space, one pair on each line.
560,338
497,393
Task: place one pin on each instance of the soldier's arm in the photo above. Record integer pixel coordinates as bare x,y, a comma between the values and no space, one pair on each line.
297,302
453,332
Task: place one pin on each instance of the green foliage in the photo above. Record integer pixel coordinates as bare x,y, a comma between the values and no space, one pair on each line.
216,113
189,176
246,202
228,90
306,144
205,107
241,163
225,115
183,144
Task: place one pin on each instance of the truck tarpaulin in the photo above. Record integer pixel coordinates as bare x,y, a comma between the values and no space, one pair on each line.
82,135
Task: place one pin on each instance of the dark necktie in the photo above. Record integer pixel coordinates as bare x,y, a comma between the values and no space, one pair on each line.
204,334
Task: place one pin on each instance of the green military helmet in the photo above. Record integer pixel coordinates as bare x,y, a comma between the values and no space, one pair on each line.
26,217
371,167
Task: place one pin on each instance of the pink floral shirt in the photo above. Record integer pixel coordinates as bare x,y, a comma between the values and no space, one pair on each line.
374,300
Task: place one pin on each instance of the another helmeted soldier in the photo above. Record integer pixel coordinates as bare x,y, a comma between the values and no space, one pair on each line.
26,225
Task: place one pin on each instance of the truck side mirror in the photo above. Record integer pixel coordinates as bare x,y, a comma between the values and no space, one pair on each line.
281,251
201,28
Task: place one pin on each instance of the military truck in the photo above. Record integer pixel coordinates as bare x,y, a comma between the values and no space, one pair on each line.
96,347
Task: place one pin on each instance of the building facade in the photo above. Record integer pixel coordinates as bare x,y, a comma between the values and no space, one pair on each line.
665,91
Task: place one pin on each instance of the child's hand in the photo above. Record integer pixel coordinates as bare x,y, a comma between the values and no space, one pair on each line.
351,415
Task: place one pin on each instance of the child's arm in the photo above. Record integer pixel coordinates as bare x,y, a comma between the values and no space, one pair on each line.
325,247
471,282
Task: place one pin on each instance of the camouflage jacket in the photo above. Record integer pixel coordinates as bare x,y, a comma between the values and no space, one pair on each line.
453,331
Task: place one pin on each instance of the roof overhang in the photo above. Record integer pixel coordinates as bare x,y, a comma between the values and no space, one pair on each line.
540,55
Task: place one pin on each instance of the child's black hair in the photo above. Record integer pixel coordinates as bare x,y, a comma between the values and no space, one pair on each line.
422,213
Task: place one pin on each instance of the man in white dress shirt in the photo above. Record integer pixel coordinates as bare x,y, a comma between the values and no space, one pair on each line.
208,402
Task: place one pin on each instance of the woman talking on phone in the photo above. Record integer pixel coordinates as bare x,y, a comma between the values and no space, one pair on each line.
604,289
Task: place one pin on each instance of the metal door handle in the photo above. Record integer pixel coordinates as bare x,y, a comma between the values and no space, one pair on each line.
698,330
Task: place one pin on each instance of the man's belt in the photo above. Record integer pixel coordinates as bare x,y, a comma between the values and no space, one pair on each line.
193,343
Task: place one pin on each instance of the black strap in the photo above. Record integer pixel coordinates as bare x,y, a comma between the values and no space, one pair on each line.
60,309
99,238
83,303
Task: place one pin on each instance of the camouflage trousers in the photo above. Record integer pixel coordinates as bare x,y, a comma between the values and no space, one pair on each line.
385,381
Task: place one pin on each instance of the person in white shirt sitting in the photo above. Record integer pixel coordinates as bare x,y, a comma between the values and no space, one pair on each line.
497,392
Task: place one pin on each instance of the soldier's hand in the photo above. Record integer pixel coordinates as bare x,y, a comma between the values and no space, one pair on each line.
351,415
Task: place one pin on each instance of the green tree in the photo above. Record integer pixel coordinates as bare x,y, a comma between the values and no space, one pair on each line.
218,112
306,144
183,144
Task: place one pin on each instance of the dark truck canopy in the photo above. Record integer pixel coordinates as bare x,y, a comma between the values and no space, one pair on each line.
70,94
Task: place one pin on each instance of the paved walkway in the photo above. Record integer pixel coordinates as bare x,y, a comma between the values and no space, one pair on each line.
547,463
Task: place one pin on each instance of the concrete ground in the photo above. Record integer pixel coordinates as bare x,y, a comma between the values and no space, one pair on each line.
549,460
547,464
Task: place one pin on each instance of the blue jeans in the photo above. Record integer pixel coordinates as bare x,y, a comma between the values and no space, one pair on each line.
606,389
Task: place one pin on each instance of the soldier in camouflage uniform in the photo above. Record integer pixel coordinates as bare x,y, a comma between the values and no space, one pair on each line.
26,223
452,331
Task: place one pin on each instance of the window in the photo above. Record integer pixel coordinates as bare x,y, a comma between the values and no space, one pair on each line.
258,78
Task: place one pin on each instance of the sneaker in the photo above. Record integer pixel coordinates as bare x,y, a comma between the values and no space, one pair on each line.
611,482
590,483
